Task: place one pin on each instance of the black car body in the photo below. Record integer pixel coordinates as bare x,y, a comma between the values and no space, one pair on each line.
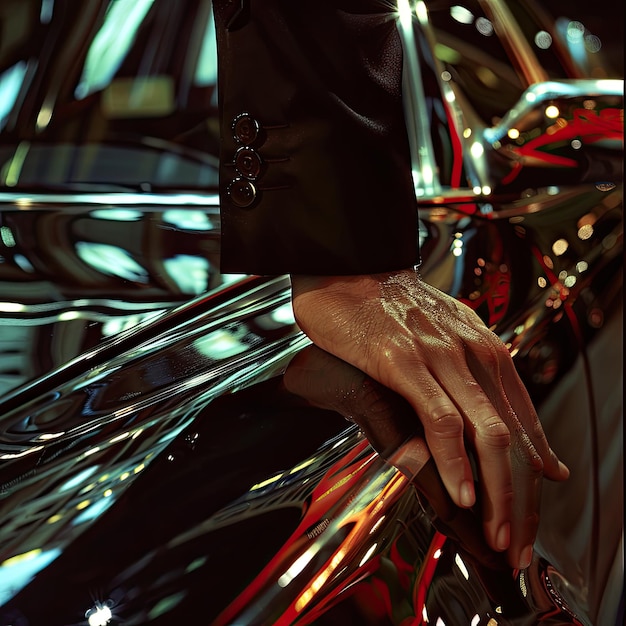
162,459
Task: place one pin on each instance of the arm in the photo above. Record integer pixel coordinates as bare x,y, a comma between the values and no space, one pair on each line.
328,178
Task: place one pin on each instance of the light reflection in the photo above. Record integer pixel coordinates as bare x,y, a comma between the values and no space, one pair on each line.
17,455
50,436
10,84
575,32
267,482
111,260
91,511
543,40
368,554
405,13
119,437
461,14
99,615
44,117
477,149
522,583
12,170
75,481
377,523
560,246
421,12
117,214
552,111
484,26
461,565
111,44
191,273
68,316
221,344
188,219
6,235
16,572
46,10
23,263
296,568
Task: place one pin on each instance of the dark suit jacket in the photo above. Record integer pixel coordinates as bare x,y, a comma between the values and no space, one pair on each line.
315,172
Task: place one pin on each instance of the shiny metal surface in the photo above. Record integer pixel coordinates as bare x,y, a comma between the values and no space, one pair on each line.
172,448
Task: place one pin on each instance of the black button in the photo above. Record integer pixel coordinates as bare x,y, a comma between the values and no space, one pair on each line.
248,162
242,192
245,129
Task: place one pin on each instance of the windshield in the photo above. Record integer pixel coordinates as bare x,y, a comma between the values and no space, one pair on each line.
112,95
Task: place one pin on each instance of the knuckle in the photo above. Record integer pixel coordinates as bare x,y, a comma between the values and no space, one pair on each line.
531,460
527,455
494,433
445,421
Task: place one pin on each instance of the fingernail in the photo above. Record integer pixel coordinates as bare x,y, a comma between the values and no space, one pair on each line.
466,493
503,538
526,557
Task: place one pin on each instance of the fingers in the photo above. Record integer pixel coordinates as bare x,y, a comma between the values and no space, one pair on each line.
490,439
527,465
486,356
444,431
531,457
522,405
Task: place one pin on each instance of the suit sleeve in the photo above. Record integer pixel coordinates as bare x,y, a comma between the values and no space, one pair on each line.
315,170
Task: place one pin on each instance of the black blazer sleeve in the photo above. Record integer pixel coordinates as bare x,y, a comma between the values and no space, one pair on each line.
315,171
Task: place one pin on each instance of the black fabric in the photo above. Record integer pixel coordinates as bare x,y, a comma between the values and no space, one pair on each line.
334,193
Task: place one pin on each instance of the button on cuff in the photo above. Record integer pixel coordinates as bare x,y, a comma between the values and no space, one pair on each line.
242,193
248,163
245,129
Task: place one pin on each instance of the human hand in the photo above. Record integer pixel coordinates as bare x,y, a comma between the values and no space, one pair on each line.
388,422
459,379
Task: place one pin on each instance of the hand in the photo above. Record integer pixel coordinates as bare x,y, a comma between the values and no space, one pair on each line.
388,422
459,379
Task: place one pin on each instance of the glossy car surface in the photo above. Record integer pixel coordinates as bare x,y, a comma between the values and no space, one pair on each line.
172,448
